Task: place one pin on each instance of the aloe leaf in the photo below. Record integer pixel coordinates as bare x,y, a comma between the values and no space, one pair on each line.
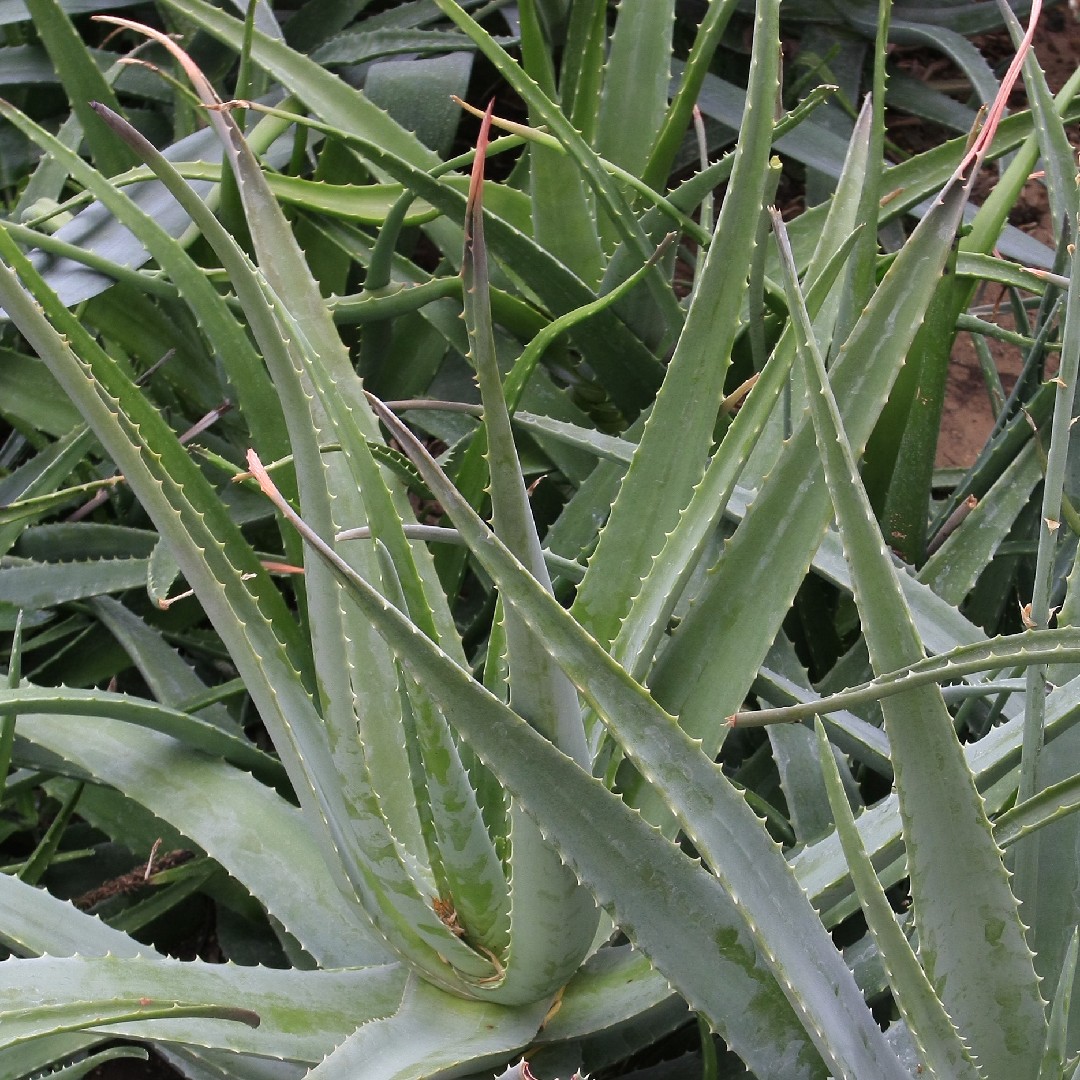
226,335
381,751
1065,206
431,1033
562,214
766,559
631,370
820,868
922,1010
24,382
29,491
1037,871
651,609
37,923
242,824
922,385
541,692
383,506
456,812
82,79
919,177
165,672
419,93
326,94
954,568
178,474
678,114
1056,1055
468,706
563,219
22,1024
615,985
1016,650
196,733
29,1059
104,240
473,888
269,334
367,203
384,752
26,510
994,268
468,873
581,78
43,585
635,94
799,772
1053,803
360,46
298,1015
862,741
206,545
552,918
663,473
348,655
33,868
608,194
941,625
986,980
472,472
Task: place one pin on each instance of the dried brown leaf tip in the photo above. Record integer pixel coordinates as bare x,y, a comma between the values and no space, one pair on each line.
476,179
448,916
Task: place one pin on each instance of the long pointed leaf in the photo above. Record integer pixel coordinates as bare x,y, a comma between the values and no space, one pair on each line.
552,918
975,956
660,480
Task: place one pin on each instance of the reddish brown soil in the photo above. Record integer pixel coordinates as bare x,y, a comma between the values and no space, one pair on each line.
967,418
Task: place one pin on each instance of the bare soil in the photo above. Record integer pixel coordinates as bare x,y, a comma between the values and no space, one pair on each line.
967,418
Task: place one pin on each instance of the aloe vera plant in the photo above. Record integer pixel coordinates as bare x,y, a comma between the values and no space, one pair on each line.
514,783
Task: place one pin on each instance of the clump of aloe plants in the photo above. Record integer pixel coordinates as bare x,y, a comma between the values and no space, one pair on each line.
509,650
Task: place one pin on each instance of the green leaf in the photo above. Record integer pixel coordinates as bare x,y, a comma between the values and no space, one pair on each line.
226,335
635,94
355,677
608,194
996,654
709,663
976,957
678,114
919,1005
661,478
431,1032
955,567
552,917
1056,1056
24,390
299,1015
82,79
196,733
41,585
88,1064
